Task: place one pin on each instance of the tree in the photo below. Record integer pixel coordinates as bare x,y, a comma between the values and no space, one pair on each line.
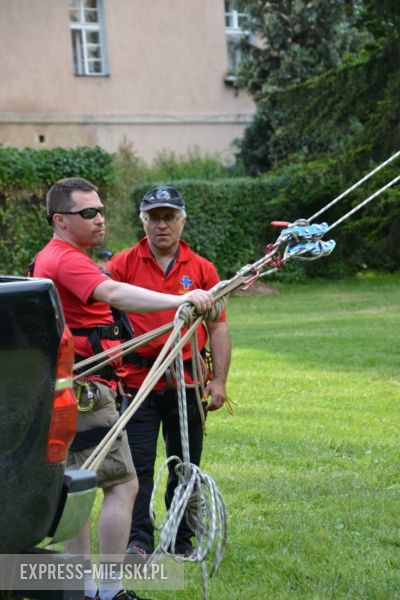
301,40
381,18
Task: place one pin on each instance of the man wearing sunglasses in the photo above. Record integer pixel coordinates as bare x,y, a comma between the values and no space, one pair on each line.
76,213
162,261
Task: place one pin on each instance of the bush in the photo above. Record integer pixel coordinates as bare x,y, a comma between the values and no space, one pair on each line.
34,171
25,176
228,218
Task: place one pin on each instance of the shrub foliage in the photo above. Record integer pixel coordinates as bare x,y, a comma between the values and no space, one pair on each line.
25,177
228,218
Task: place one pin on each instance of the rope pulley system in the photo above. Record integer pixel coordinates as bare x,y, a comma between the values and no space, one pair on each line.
197,495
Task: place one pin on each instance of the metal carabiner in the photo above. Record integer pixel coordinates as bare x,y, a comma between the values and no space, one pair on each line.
89,395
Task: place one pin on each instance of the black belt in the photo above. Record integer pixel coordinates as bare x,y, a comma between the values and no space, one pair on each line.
113,331
138,360
89,438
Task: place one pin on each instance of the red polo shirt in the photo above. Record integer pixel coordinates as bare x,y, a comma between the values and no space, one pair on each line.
137,266
76,276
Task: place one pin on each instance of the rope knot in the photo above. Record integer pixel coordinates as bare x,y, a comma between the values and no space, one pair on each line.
186,314
215,312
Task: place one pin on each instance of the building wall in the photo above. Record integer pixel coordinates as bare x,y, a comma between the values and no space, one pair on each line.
166,87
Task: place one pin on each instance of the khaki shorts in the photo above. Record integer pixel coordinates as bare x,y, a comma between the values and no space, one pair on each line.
117,466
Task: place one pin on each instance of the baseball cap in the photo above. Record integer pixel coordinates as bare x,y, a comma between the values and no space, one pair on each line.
160,196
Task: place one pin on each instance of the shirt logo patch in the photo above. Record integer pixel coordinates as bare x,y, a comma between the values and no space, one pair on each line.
186,282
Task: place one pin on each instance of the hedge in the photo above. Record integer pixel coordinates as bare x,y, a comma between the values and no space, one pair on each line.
228,219
25,177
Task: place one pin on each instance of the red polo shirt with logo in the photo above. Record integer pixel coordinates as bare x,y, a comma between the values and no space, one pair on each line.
137,266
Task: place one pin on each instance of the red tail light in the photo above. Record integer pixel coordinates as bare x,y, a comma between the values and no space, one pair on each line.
64,415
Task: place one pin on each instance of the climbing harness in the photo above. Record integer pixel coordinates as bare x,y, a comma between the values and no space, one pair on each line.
196,495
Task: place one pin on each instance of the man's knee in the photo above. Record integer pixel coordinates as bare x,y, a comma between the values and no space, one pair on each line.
124,493
129,488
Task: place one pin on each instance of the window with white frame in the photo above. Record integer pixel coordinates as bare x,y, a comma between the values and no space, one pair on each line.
88,37
235,29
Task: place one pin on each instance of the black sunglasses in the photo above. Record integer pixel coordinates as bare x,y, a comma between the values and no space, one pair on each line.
85,213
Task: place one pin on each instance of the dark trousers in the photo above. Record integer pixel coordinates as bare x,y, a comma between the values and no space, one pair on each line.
160,408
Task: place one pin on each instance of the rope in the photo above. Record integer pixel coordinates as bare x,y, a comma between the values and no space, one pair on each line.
364,202
313,247
196,497
130,345
181,393
354,186
161,363
187,315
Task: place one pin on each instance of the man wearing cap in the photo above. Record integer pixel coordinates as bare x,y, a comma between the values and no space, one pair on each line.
162,262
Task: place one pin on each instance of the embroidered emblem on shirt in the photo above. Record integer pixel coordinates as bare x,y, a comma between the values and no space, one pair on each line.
186,282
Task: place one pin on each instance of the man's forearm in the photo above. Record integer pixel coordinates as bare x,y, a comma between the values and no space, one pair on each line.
137,299
132,298
220,346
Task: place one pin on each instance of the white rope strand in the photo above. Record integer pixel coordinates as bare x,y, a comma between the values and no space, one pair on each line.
354,186
196,497
364,202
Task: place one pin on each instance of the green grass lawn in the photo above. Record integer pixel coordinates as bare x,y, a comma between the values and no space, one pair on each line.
309,463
